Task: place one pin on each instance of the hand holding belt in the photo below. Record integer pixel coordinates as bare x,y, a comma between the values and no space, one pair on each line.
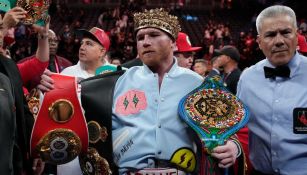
60,132
215,114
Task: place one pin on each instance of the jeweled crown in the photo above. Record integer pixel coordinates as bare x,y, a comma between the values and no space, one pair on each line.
157,18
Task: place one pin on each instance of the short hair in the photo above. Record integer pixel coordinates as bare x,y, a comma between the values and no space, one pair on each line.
274,11
213,59
201,61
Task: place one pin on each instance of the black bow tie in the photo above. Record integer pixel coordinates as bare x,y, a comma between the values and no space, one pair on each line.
280,71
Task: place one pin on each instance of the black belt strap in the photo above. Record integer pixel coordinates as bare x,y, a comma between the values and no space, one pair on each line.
97,99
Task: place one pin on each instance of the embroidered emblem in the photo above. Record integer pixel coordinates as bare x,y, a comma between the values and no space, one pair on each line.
132,102
300,121
184,158
302,118
126,103
135,100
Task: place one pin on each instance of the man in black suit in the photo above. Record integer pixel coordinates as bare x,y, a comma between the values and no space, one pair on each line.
24,118
227,59
7,125
22,163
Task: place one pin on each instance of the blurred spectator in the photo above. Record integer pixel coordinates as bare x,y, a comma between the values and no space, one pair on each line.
185,52
303,26
121,24
221,27
209,53
116,61
76,30
20,32
56,63
202,67
103,18
94,47
302,45
69,48
66,33
228,58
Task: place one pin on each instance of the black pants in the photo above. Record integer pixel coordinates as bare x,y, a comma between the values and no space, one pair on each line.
255,172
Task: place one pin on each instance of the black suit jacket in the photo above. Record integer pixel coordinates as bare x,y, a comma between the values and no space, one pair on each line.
97,100
7,125
230,80
24,118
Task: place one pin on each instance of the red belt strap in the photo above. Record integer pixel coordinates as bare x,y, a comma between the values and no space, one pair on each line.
64,90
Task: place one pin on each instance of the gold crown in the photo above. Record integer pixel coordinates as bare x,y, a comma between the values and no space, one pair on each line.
157,18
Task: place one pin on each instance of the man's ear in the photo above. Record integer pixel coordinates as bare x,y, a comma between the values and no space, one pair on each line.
1,20
103,51
1,23
174,46
258,40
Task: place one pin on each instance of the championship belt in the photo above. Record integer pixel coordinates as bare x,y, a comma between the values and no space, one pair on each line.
60,132
33,101
97,99
215,114
93,164
37,11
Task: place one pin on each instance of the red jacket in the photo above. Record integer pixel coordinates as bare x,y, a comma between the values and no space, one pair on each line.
31,69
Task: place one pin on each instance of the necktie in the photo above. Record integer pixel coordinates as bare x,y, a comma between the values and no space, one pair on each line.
279,71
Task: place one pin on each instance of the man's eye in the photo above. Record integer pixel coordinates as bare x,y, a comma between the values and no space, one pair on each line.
89,43
154,35
286,33
270,35
139,38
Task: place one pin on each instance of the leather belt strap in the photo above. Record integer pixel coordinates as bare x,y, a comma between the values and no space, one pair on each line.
97,100
57,135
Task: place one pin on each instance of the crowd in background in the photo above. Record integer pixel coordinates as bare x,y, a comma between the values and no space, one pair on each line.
233,40
118,23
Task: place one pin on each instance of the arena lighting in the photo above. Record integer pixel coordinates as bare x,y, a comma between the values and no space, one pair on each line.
190,18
